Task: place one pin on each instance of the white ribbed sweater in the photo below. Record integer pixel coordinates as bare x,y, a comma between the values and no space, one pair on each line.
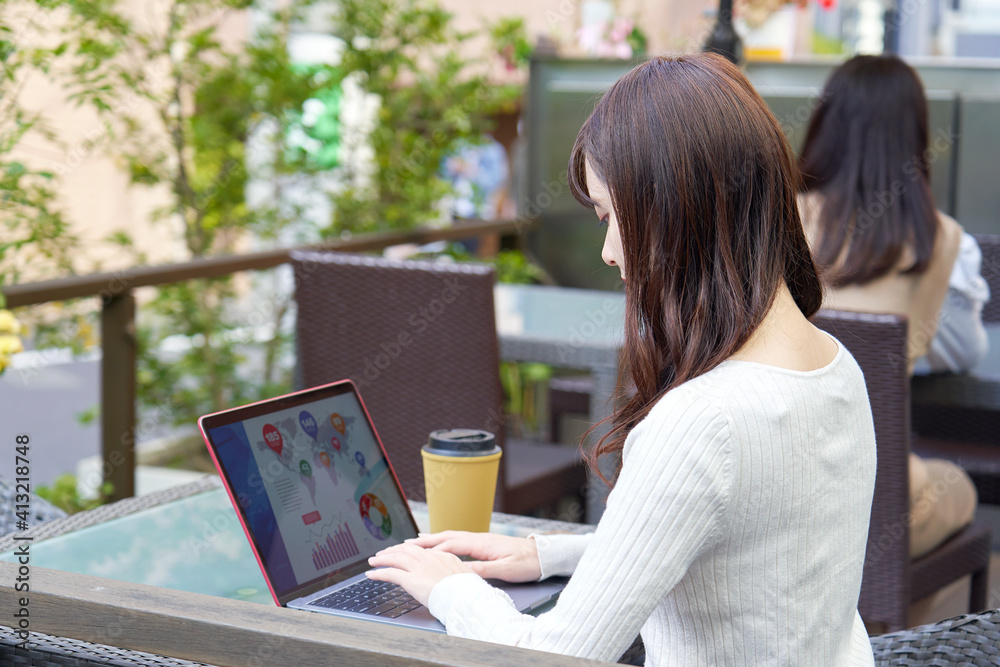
734,536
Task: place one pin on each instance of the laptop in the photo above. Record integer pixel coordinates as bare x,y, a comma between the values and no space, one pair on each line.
317,496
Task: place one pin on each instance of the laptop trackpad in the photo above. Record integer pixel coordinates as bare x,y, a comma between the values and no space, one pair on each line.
533,594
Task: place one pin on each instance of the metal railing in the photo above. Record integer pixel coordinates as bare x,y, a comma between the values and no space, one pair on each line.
118,342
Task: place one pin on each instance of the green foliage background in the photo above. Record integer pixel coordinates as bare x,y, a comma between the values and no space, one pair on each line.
184,112
432,98
208,100
34,237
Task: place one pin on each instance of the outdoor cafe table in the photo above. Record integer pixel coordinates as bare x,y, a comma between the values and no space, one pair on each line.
172,574
569,328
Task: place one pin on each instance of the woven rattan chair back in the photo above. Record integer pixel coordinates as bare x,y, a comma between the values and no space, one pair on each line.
990,270
878,344
418,339
970,639
52,651
40,512
956,416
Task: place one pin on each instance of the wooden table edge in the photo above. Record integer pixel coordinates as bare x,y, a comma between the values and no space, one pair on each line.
225,632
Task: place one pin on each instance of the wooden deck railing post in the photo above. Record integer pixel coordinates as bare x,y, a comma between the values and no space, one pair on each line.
118,355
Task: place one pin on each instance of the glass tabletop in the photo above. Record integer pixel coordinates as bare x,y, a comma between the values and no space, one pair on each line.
193,544
592,317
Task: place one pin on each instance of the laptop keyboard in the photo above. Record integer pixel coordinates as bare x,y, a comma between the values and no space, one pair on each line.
367,596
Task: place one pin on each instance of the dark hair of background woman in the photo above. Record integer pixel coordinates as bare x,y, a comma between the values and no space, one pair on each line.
703,186
865,152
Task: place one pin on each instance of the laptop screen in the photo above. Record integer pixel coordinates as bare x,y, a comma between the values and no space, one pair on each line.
315,490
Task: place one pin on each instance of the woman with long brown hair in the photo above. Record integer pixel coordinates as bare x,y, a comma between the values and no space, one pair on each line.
881,246
735,530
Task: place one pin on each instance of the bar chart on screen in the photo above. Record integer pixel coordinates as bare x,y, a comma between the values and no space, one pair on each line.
338,547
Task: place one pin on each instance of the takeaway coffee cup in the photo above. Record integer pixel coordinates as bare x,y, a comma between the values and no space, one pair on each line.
460,478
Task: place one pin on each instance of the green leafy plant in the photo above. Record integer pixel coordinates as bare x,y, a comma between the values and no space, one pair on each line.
35,238
510,38
213,106
513,267
524,384
430,97
35,241
186,113
63,494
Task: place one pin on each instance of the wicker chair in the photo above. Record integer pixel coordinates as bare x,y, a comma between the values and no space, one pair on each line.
990,270
41,510
50,651
956,416
419,339
891,579
568,395
971,639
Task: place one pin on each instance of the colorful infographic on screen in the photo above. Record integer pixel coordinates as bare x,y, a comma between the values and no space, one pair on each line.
314,480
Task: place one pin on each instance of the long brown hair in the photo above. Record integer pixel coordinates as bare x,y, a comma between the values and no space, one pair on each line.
703,186
865,152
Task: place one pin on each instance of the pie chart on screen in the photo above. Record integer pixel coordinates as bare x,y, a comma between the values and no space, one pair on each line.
376,516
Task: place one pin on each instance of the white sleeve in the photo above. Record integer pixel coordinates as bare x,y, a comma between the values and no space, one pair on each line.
960,342
558,555
666,509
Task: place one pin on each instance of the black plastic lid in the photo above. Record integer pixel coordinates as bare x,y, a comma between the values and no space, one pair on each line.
461,442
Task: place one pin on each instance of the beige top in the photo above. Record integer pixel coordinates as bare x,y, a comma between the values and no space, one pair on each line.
918,296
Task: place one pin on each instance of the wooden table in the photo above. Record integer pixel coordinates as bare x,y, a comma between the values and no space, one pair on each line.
204,627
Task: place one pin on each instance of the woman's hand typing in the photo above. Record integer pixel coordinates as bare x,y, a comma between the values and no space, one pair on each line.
420,563
513,559
417,570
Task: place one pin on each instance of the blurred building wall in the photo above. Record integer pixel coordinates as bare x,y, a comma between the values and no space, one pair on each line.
670,25
95,194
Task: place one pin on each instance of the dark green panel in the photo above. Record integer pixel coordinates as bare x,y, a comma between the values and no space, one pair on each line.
978,197
569,246
793,109
941,150
562,93
567,242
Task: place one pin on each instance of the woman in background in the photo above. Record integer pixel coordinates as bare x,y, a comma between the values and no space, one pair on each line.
736,527
881,246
